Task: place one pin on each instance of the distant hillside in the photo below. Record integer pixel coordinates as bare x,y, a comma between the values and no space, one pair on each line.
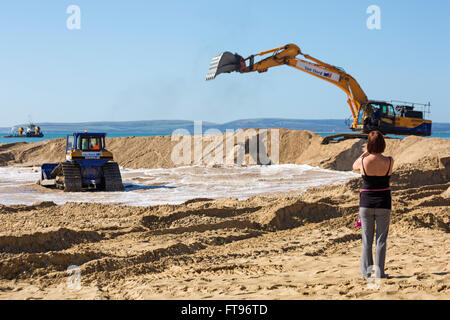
168,126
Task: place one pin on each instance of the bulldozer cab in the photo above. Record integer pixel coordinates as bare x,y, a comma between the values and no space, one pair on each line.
88,166
91,143
85,141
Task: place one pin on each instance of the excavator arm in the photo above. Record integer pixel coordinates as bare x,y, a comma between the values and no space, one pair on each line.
287,55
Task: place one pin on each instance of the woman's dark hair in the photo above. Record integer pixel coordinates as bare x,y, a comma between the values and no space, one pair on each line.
375,142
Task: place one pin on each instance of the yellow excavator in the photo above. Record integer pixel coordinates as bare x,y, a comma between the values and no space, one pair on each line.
367,114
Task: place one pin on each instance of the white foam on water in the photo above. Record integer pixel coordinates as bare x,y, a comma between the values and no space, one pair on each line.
176,185
12,176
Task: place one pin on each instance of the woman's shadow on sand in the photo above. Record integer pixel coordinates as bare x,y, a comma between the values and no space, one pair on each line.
406,277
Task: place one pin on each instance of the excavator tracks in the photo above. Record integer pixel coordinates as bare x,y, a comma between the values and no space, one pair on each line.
71,175
113,179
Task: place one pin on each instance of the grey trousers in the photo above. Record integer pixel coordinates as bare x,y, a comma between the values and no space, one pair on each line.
370,217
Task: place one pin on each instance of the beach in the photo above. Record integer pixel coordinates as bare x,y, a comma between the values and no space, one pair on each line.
294,243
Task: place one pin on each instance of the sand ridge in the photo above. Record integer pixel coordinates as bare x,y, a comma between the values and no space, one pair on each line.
288,247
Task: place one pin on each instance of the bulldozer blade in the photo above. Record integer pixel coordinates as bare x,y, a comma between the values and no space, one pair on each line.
223,63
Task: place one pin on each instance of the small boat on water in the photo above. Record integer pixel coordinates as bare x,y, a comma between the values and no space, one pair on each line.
32,131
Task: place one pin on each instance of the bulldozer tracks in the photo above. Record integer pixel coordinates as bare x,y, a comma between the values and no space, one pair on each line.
72,177
113,179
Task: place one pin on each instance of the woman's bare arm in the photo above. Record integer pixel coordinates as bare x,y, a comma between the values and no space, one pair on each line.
357,165
392,166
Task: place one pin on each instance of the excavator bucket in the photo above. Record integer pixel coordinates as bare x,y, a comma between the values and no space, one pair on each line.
224,63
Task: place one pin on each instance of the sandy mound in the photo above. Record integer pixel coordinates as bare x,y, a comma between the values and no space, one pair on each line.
446,194
295,146
34,153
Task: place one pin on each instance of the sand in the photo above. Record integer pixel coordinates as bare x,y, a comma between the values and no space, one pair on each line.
267,247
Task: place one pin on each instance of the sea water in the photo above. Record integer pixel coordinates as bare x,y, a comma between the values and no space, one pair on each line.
174,186
55,135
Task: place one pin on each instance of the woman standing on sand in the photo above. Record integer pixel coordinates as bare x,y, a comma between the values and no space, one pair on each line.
375,202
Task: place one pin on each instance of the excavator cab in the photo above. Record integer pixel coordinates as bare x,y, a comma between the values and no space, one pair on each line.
381,115
399,120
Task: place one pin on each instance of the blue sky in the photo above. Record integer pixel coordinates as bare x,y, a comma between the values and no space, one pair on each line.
147,60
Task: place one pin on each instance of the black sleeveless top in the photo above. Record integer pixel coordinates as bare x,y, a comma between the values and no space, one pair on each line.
375,191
